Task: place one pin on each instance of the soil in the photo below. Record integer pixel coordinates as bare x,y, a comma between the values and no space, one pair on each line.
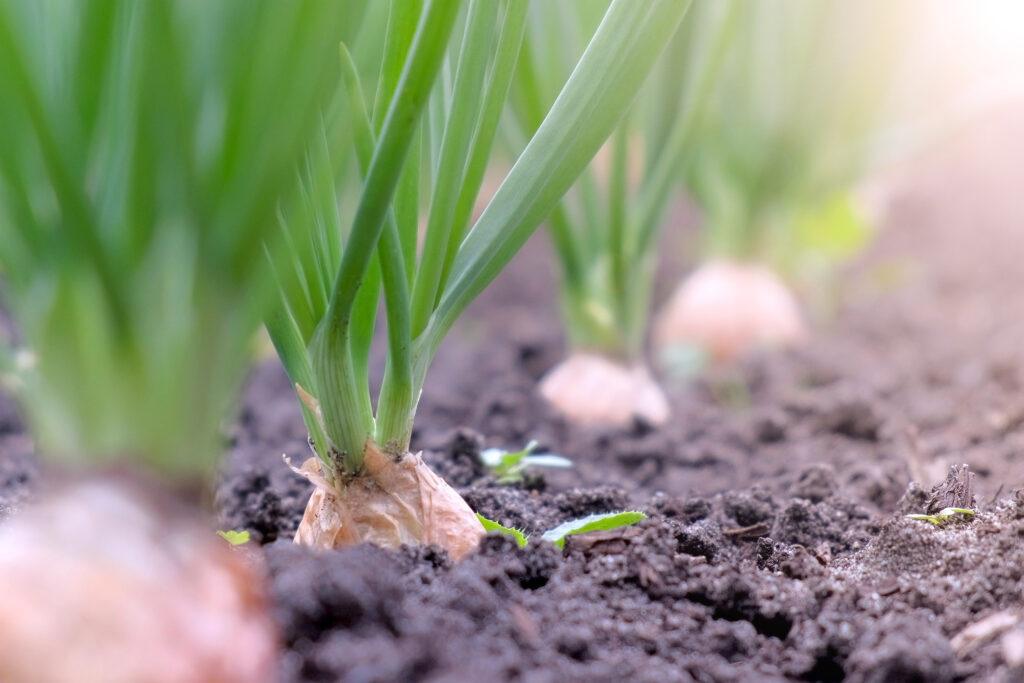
777,545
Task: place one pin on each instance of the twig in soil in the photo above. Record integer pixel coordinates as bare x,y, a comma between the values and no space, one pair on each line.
889,589
744,532
957,491
999,492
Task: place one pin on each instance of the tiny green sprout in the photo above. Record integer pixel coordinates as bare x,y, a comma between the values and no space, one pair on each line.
490,525
943,516
234,537
607,521
508,467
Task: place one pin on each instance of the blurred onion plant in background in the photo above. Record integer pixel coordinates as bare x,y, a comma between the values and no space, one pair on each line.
606,230
143,148
795,120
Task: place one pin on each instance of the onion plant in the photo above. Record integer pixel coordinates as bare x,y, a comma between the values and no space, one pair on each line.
793,122
143,150
422,132
605,232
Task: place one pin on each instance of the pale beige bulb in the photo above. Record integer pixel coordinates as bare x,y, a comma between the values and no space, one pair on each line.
97,585
591,389
727,309
390,503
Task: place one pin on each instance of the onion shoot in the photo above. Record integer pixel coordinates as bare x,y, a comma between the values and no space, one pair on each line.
605,232
792,123
369,487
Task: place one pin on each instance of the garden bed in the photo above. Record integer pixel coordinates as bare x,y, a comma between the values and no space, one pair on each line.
777,546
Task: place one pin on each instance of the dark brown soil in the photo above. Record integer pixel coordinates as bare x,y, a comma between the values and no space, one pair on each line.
777,546
18,468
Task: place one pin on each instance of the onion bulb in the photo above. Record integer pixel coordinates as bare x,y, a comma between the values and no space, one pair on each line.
726,310
391,502
591,389
100,584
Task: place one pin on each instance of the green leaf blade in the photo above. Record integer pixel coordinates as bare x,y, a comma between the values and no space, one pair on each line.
490,526
596,96
608,521
341,387
462,121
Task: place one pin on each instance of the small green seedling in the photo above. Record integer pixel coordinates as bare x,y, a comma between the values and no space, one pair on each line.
943,516
607,521
490,525
508,467
234,537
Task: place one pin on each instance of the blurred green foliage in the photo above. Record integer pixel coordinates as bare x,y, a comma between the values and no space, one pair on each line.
605,230
144,147
794,122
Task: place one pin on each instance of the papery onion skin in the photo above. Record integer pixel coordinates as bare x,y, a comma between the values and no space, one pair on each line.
392,502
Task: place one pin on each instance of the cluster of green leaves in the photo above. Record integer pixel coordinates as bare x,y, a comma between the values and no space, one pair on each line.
508,467
605,521
793,121
605,231
143,148
430,129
